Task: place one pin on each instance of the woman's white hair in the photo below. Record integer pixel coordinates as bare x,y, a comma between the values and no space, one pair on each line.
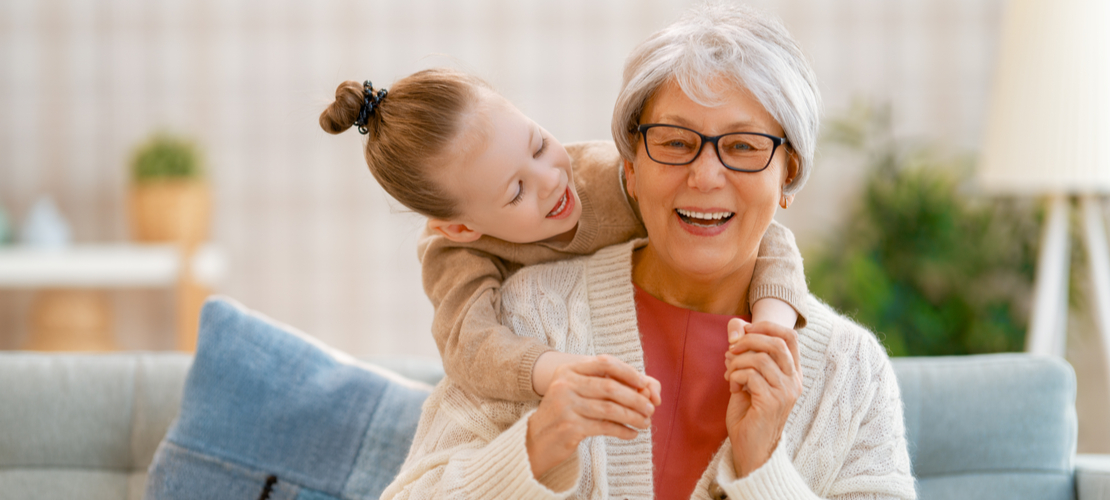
741,44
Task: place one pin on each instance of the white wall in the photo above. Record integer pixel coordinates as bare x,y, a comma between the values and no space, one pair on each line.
312,239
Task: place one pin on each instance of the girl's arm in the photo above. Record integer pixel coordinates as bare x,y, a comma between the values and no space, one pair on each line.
544,369
479,353
463,282
774,310
778,290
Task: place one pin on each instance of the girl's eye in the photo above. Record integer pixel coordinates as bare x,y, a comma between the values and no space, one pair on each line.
543,147
519,194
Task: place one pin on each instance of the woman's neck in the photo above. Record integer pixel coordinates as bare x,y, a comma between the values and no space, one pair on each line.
724,294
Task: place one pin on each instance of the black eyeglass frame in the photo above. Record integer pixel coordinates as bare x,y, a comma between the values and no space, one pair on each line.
705,139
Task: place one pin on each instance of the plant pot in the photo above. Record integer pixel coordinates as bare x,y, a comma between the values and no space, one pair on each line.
71,320
170,211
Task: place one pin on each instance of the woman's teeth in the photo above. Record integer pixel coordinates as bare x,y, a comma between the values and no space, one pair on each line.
707,219
560,207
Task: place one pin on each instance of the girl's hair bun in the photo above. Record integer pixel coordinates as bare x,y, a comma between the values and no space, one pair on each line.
425,116
342,113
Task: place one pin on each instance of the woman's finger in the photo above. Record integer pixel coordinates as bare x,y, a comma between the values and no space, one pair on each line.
598,388
732,386
605,365
593,409
654,391
744,378
775,347
788,335
758,385
606,428
763,364
755,384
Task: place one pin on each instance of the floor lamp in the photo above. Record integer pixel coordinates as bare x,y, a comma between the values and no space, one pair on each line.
1048,134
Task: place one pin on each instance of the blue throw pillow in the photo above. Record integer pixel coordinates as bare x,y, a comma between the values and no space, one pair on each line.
269,412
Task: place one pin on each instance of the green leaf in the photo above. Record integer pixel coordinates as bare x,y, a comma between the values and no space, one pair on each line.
164,156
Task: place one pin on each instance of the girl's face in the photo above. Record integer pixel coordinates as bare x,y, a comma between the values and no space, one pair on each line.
514,183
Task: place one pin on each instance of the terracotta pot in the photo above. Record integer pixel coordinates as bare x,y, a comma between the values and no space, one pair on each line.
171,211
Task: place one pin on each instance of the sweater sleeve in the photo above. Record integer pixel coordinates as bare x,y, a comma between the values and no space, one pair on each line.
472,447
458,453
863,455
778,272
479,353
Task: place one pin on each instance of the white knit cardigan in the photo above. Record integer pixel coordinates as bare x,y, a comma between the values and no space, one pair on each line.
844,438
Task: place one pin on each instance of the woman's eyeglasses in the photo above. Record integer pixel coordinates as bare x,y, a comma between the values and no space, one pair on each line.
738,151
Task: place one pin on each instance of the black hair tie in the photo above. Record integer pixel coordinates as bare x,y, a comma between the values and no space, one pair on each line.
370,102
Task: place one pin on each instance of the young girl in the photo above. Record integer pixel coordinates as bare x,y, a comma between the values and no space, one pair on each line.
501,193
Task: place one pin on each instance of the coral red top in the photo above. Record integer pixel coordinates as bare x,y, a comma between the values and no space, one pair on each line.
685,351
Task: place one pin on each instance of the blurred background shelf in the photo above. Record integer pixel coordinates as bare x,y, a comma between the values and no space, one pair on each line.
106,266
71,310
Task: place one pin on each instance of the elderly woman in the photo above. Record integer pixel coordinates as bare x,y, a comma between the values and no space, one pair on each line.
716,123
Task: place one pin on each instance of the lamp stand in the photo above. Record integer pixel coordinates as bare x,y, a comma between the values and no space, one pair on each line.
1048,324
1098,257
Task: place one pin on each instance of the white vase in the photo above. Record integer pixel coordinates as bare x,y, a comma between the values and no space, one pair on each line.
44,227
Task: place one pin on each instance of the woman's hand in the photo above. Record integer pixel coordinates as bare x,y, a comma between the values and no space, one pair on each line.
600,396
765,378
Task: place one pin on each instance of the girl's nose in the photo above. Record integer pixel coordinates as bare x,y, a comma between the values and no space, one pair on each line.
551,180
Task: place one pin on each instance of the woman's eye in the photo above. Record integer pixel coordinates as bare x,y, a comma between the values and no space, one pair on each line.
519,194
675,144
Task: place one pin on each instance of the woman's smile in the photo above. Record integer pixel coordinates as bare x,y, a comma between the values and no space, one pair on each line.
704,222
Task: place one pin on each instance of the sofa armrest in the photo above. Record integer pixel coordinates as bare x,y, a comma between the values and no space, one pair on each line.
1092,476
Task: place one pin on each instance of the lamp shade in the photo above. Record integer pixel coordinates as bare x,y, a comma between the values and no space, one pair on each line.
1048,129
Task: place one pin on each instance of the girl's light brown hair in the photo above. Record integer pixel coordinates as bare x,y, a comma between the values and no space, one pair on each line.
410,132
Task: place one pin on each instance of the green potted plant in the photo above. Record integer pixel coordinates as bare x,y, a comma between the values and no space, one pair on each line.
170,200
170,203
933,267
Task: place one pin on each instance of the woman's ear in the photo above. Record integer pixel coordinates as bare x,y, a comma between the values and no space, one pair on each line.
791,173
454,230
792,167
630,179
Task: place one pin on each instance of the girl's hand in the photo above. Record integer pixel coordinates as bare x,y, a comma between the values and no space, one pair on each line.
598,396
544,369
765,376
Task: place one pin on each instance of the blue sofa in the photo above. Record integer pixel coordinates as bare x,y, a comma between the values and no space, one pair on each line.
994,426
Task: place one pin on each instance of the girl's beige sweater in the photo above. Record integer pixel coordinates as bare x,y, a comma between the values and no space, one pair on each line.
844,438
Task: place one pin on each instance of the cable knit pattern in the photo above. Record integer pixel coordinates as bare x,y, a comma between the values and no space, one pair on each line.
844,438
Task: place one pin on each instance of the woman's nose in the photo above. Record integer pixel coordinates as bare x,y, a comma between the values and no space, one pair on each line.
706,173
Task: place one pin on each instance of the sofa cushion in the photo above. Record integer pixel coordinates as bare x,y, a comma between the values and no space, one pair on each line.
66,483
990,426
86,411
267,408
84,425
